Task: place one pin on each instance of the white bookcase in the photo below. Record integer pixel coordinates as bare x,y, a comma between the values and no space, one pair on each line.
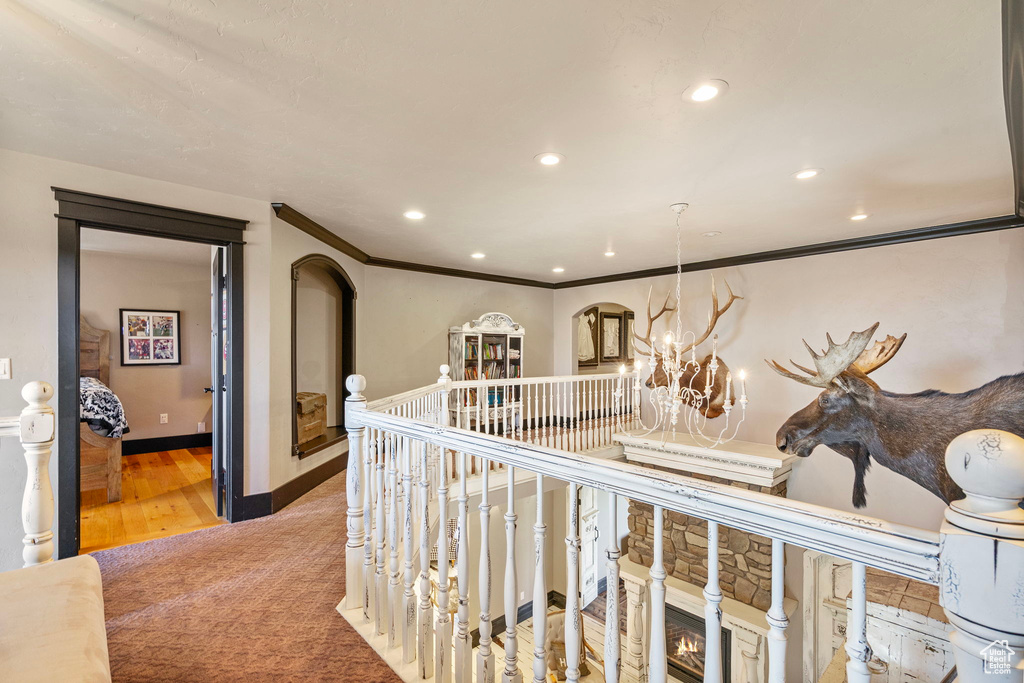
490,347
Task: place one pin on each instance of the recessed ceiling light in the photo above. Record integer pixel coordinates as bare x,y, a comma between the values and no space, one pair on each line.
609,253
712,233
549,158
477,255
705,90
858,217
806,173
558,270
414,215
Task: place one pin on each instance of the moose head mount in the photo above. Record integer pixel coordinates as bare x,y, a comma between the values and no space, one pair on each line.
693,375
906,433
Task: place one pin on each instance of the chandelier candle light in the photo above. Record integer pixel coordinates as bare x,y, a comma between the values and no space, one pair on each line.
682,393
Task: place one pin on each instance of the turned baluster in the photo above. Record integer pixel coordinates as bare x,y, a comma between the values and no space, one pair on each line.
485,658
380,600
658,658
611,615
369,450
777,620
540,590
857,629
443,623
511,673
713,612
463,642
573,628
409,596
394,575
425,646
544,417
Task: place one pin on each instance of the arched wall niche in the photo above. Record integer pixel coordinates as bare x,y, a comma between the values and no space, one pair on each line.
323,341
590,327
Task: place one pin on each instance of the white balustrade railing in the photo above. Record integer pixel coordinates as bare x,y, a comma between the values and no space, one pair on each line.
35,427
452,431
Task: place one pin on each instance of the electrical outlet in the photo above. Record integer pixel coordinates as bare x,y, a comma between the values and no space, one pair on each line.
5,368
163,418
202,428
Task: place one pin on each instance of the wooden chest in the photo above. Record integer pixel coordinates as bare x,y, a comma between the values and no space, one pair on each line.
310,415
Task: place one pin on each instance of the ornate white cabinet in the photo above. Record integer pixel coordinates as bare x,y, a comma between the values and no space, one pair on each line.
488,348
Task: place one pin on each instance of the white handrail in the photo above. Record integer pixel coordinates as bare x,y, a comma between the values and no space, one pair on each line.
975,559
516,381
892,547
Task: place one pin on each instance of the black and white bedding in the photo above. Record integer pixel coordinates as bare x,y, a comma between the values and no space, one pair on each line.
100,408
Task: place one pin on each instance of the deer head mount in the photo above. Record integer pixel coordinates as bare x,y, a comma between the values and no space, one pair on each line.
691,377
906,433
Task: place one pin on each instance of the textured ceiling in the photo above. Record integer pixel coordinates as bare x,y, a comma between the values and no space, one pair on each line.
355,112
148,248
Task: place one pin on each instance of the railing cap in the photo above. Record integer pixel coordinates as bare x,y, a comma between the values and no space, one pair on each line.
988,464
355,385
37,394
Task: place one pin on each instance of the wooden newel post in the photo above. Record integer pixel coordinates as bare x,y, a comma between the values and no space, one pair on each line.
37,430
982,557
354,405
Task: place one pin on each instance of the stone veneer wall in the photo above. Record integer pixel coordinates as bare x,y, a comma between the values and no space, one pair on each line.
745,558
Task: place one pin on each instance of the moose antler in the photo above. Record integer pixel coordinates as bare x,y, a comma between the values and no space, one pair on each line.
879,354
839,358
646,339
713,315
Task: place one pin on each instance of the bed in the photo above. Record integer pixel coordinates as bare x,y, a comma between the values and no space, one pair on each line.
102,416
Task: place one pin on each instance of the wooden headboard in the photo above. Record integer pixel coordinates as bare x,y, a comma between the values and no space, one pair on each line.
93,351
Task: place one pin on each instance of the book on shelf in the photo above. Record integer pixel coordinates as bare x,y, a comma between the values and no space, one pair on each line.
494,352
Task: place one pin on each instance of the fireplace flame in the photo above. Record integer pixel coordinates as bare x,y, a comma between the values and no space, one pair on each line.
686,645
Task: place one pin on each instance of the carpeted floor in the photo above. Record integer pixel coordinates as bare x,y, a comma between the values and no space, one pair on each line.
252,601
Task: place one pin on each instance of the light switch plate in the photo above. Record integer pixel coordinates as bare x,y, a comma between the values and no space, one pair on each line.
5,368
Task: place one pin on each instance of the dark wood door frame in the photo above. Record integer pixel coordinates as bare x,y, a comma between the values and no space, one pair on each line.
77,210
348,336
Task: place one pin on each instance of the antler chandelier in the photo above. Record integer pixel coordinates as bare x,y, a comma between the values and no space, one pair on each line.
683,386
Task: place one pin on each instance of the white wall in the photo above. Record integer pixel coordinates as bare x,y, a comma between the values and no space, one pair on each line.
28,317
110,282
407,323
392,305
289,245
960,301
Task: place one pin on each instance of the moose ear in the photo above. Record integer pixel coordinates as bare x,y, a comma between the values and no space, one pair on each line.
858,384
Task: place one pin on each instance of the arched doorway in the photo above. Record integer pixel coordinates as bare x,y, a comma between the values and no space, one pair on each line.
601,338
323,343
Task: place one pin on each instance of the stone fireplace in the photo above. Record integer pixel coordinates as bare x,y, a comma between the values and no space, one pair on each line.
685,635
745,559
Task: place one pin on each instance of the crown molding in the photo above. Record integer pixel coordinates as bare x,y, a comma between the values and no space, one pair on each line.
311,227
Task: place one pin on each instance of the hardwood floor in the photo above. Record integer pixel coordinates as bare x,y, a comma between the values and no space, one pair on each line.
163,494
